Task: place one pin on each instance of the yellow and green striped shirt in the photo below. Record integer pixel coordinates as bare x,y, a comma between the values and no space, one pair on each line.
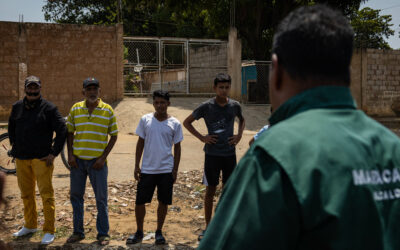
91,131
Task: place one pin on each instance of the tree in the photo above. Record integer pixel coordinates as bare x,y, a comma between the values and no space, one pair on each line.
371,29
81,11
256,20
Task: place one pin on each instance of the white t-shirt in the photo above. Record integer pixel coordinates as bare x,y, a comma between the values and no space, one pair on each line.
159,137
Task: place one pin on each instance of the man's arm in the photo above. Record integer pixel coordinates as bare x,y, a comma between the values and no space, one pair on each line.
58,125
11,126
235,139
102,159
138,156
71,157
208,139
70,138
177,159
251,141
258,208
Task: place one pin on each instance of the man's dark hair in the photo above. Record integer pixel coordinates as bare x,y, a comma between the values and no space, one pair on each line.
222,77
315,43
161,93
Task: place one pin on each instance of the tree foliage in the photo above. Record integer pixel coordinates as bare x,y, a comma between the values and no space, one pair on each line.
81,11
371,29
256,20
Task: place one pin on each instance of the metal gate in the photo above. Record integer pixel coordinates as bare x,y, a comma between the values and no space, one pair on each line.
178,65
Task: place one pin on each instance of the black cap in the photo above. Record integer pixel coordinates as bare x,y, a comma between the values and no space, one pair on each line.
90,81
32,79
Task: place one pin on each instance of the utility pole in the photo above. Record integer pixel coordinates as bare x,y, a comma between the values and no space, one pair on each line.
119,11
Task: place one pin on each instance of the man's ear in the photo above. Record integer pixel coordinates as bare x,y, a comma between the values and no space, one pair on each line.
276,73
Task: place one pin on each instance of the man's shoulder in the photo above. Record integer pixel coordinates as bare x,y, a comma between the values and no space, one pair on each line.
210,101
174,120
78,104
148,116
18,103
328,129
105,106
233,102
48,104
77,108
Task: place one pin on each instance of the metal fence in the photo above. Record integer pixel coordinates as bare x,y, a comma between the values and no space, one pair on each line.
255,81
178,65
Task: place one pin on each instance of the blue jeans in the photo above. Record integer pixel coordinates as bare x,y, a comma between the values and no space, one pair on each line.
98,179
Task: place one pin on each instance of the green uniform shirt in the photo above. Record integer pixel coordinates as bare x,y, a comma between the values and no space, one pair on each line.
324,176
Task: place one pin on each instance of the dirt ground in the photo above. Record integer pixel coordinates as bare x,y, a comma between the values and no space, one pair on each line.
185,218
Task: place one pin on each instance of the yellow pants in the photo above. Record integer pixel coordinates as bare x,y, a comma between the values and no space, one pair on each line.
29,171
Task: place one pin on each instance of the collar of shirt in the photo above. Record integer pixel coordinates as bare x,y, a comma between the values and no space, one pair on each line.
31,104
98,104
327,97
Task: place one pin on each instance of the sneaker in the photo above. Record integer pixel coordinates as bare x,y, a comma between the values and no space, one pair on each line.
24,231
160,240
47,239
136,238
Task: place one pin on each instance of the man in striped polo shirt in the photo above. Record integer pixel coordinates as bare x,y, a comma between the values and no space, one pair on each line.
89,124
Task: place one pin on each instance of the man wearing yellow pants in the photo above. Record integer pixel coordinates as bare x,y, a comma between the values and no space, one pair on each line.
31,126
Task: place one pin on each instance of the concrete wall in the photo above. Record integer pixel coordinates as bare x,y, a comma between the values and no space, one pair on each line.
62,55
9,72
376,80
174,80
205,63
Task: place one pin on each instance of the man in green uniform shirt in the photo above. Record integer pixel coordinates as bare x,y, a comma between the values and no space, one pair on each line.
324,175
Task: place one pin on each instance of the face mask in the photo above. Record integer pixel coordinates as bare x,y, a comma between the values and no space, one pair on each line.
32,93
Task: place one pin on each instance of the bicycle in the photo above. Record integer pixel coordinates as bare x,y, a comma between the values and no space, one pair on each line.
7,161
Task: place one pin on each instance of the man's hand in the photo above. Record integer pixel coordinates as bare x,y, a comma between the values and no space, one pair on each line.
137,173
99,163
210,139
72,161
174,175
48,159
234,140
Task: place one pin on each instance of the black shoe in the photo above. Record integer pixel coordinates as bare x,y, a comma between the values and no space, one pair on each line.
75,237
201,235
160,240
136,238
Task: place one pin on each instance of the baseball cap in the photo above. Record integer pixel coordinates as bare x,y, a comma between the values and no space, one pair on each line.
32,79
90,81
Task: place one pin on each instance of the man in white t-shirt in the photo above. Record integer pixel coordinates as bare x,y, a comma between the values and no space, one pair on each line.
157,132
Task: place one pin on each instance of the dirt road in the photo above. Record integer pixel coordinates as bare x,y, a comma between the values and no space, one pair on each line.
185,218
129,111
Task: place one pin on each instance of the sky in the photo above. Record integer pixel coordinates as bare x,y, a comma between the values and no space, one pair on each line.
10,10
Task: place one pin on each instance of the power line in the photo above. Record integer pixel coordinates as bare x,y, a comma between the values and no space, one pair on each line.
391,7
168,23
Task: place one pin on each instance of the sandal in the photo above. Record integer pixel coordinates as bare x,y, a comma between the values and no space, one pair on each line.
201,235
104,240
136,238
160,240
75,237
